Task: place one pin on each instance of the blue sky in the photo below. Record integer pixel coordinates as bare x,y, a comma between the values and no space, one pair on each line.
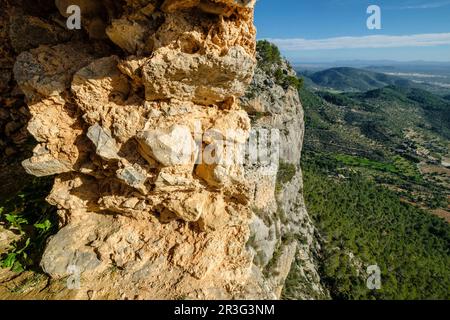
330,30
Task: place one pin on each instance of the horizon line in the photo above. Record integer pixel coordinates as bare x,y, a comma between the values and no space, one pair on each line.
363,42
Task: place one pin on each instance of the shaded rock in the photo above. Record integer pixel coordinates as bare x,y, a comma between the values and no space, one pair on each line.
133,33
44,164
263,241
93,14
28,32
5,77
38,78
134,177
61,258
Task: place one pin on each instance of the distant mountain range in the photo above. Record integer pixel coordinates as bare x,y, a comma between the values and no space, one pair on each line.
348,79
352,79
374,63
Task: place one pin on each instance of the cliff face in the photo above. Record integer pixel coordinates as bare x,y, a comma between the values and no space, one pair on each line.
282,234
142,118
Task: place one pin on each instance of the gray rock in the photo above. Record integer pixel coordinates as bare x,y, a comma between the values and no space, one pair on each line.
60,256
44,164
286,212
132,176
43,168
263,241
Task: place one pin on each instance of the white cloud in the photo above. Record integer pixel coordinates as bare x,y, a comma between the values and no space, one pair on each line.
430,5
378,41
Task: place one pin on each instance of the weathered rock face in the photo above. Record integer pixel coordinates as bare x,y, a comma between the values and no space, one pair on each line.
150,205
282,234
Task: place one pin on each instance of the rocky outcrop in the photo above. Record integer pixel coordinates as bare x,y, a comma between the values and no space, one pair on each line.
282,234
151,203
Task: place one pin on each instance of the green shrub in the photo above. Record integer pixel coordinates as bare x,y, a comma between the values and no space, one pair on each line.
294,82
270,54
28,214
270,57
285,174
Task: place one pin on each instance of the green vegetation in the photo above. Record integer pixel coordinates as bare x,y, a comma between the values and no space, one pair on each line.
270,54
285,80
285,174
273,262
407,169
30,216
271,62
383,134
364,190
363,162
363,224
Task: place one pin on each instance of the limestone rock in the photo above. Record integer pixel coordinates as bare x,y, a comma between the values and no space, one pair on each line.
129,35
62,258
104,142
279,210
47,71
190,208
44,164
134,177
203,79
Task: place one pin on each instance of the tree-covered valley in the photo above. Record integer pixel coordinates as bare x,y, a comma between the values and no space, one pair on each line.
377,185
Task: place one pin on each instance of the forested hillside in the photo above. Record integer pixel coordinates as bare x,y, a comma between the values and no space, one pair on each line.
362,224
377,187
